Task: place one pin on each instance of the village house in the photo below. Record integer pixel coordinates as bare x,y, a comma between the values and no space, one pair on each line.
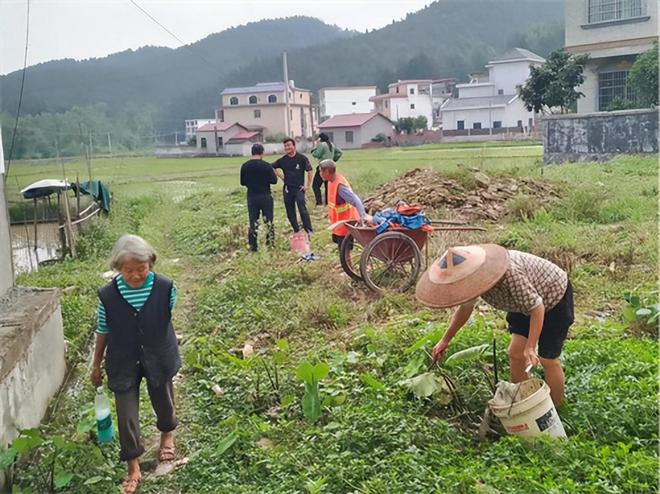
613,34
356,129
491,104
441,91
193,124
405,99
344,100
263,108
212,137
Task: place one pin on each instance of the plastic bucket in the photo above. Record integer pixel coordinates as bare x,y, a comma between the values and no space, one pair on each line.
531,413
300,243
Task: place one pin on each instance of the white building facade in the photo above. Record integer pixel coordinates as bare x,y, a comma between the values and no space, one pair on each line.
493,103
345,100
406,99
613,33
193,124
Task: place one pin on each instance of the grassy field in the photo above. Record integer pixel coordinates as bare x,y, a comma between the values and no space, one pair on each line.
373,435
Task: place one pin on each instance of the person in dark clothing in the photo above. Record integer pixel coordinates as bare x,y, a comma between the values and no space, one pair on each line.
257,175
136,339
292,168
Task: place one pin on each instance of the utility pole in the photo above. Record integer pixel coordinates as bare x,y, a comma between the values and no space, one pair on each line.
176,137
89,161
287,127
109,145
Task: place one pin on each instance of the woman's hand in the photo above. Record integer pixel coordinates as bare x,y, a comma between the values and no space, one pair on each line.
439,350
97,375
368,219
531,358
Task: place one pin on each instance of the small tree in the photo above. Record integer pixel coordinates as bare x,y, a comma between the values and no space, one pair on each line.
411,124
553,85
643,78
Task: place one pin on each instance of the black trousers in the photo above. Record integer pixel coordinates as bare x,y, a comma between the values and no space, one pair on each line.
293,198
316,187
260,204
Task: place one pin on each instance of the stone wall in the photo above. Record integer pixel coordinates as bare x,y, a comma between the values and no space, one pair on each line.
599,136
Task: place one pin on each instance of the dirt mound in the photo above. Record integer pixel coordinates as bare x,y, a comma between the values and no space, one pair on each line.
475,196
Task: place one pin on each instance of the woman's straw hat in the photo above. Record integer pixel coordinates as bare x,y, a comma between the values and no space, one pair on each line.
462,274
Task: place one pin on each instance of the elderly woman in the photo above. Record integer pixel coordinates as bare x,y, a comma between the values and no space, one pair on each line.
135,327
535,293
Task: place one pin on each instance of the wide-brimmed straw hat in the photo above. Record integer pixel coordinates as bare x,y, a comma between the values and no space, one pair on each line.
462,274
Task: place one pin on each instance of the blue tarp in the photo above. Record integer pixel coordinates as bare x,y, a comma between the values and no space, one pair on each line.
386,217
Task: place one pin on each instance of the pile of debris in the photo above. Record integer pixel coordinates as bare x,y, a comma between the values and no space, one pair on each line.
478,197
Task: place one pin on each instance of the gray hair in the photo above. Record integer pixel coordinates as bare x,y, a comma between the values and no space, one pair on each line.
131,248
328,166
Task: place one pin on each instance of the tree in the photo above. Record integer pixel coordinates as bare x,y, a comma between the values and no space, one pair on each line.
411,124
553,85
643,77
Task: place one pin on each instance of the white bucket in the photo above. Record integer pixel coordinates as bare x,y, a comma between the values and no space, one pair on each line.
531,413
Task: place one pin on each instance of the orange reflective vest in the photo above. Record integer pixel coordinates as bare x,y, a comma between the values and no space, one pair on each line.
338,212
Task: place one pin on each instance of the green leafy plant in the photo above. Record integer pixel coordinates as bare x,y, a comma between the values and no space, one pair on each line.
311,375
642,311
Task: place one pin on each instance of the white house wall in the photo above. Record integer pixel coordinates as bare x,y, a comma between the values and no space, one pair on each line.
346,100
507,76
509,116
475,91
374,127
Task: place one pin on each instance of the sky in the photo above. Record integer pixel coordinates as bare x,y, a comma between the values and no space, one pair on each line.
83,29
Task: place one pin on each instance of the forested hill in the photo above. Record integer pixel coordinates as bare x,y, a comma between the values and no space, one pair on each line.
449,38
158,76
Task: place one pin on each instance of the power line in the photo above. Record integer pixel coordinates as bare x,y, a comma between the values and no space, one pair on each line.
183,43
20,96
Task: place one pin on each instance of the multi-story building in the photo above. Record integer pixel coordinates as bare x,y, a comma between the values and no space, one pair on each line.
441,91
345,100
410,98
613,33
263,108
193,124
492,101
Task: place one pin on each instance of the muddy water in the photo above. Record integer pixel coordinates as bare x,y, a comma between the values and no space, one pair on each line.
26,258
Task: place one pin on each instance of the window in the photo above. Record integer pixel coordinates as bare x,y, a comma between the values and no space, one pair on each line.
349,136
221,115
412,106
203,142
460,124
497,124
300,95
519,125
272,98
500,91
252,100
412,90
613,86
385,103
220,142
476,125
257,113
397,90
354,103
233,100
614,10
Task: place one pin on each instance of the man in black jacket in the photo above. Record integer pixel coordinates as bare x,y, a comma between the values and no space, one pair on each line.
258,175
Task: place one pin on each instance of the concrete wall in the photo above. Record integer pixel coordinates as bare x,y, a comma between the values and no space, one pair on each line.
508,115
32,364
508,75
6,264
476,90
599,136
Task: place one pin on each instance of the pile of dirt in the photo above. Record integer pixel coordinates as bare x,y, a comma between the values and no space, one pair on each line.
476,197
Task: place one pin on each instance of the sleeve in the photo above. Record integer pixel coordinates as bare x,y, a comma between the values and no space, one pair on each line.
101,325
308,166
316,152
173,296
272,178
277,163
243,175
350,197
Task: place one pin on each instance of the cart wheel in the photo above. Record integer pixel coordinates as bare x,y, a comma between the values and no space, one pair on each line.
391,262
350,253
